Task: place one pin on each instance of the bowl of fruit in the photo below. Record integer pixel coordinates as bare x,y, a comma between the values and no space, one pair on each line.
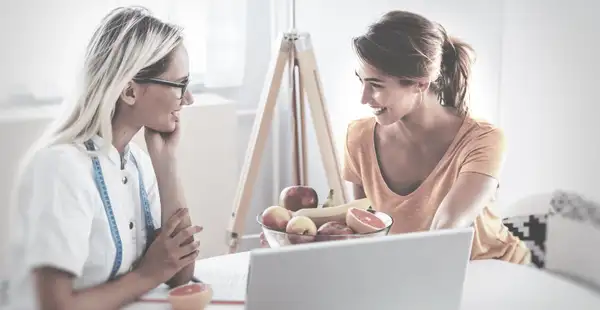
300,219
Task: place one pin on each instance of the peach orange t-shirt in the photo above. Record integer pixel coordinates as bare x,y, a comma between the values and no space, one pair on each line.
477,147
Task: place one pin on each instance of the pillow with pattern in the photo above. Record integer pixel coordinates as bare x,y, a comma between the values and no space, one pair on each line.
575,207
531,229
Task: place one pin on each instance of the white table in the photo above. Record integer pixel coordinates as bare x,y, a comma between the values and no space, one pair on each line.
490,285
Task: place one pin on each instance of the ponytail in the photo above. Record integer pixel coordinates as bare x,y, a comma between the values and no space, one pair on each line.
453,82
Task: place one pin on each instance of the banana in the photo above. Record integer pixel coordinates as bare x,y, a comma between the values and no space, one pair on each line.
329,202
337,213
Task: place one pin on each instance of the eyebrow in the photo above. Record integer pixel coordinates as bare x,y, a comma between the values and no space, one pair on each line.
369,79
181,79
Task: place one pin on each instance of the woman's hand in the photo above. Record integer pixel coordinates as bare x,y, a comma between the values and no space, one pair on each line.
263,241
162,144
169,253
166,256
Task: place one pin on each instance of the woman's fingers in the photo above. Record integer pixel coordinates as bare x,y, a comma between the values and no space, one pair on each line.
189,259
185,234
189,248
175,220
263,242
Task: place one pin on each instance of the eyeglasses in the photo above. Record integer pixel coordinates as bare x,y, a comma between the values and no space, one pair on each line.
183,86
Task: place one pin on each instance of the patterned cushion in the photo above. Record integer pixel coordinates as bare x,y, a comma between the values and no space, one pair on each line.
573,206
531,229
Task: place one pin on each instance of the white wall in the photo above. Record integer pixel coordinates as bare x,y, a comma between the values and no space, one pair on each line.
549,106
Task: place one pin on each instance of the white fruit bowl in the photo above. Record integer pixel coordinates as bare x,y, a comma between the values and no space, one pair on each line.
277,238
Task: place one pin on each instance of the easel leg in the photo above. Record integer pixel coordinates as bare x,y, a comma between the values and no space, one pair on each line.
311,81
296,176
302,120
256,144
299,170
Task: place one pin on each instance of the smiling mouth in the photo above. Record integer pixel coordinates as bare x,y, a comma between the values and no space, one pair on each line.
378,111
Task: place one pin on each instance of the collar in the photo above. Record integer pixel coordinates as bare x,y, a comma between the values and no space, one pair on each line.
113,153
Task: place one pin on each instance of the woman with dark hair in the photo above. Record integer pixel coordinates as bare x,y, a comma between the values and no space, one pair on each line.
422,158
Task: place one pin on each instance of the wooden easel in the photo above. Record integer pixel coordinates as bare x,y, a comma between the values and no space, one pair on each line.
296,50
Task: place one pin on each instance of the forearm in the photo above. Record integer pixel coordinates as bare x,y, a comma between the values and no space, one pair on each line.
172,199
170,190
111,295
449,221
469,195
449,216
358,191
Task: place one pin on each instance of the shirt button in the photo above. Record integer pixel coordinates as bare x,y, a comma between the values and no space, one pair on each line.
124,180
130,225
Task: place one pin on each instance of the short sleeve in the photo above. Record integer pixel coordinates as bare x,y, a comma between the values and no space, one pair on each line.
487,154
350,172
58,215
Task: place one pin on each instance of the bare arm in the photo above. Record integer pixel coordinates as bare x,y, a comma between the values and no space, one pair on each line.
164,258
469,195
476,184
172,199
55,291
358,191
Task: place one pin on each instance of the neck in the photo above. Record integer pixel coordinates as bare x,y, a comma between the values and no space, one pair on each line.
426,119
122,133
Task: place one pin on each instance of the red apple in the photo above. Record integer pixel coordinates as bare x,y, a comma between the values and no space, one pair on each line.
333,231
295,198
301,229
276,217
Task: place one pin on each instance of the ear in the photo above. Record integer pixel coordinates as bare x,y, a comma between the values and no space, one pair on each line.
422,87
128,94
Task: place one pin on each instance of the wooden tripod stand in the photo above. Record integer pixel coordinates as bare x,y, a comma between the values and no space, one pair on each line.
295,48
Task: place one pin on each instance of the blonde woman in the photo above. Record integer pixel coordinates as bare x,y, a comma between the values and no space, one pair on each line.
90,203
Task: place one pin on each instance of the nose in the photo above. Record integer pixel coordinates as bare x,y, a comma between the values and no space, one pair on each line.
188,98
366,96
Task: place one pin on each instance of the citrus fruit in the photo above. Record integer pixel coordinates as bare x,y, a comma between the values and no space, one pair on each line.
194,296
363,221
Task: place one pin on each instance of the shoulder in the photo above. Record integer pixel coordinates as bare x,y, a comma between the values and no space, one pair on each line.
58,160
57,174
359,131
483,148
483,134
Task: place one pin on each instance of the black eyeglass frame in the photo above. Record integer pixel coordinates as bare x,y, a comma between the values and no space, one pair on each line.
183,86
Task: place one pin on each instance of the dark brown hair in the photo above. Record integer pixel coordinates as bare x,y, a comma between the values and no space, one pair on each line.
414,49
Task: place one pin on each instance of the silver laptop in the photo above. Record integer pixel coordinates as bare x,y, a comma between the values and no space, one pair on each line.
416,271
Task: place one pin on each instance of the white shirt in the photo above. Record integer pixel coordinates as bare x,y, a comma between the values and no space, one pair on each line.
60,220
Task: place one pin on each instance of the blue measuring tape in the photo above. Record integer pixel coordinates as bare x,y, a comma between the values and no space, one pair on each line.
114,230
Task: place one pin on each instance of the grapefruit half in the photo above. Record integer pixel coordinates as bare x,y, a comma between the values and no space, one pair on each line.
194,296
362,221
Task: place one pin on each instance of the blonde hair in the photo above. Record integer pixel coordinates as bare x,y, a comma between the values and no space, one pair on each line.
128,42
